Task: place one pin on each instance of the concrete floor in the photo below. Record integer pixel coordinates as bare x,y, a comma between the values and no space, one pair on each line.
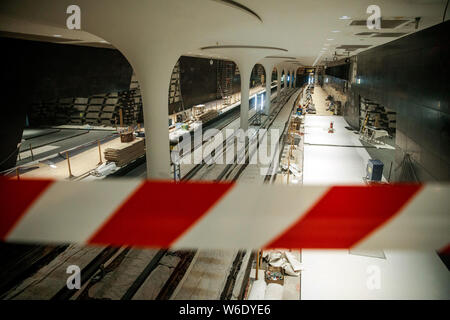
80,164
332,158
318,98
340,158
46,142
337,274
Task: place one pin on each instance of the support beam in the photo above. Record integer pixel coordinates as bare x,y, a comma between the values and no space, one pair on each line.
268,94
278,83
154,82
285,80
268,68
245,71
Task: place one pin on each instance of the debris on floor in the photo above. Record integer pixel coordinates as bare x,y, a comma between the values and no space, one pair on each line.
285,260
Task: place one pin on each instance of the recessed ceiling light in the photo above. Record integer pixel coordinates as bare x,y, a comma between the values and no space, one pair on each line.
335,31
57,35
345,18
330,39
103,41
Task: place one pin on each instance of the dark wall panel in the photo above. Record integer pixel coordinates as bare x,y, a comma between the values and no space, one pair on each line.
45,71
34,71
198,80
340,71
410,76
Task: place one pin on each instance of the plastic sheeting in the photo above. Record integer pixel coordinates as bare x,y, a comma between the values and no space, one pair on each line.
285,260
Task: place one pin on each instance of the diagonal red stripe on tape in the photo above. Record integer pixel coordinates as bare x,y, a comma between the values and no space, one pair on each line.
15,198
158,213
445,250
344,216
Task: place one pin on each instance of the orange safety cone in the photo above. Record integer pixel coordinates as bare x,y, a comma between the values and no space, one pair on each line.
331,129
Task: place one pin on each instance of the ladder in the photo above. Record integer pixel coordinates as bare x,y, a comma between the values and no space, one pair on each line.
365,122
225,81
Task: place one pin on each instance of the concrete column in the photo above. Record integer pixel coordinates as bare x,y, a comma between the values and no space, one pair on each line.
154,83
285,80
268,94
268,68
292,79
245,72
278,83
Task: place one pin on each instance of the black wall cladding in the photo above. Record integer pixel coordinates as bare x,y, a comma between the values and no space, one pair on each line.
39,71
340,71
411,76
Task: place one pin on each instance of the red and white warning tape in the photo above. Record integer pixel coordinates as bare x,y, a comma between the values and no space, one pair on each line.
225,215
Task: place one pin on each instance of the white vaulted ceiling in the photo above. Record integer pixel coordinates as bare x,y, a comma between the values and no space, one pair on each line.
303,29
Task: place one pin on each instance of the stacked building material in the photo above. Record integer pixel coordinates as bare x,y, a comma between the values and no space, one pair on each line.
123,153
127,136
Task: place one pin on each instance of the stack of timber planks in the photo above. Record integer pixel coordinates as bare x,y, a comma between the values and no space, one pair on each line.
125,152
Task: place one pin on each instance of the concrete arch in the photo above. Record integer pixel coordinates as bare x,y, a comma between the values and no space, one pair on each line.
274,74
153,53
260,100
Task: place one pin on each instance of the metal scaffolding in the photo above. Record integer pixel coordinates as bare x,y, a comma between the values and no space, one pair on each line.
225,81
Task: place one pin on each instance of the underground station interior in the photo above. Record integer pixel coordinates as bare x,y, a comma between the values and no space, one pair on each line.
225,150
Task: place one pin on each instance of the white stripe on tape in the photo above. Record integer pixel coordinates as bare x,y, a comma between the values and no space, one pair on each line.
229,224
71,212
410,227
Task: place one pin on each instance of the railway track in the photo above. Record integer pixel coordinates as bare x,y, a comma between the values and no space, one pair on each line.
137,168
108,261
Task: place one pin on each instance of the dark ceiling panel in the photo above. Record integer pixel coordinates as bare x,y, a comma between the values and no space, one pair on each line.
95,44
365,33
33,37
351,47
389,34
385,24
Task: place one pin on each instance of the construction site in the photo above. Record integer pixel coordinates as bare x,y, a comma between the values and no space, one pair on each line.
289,151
